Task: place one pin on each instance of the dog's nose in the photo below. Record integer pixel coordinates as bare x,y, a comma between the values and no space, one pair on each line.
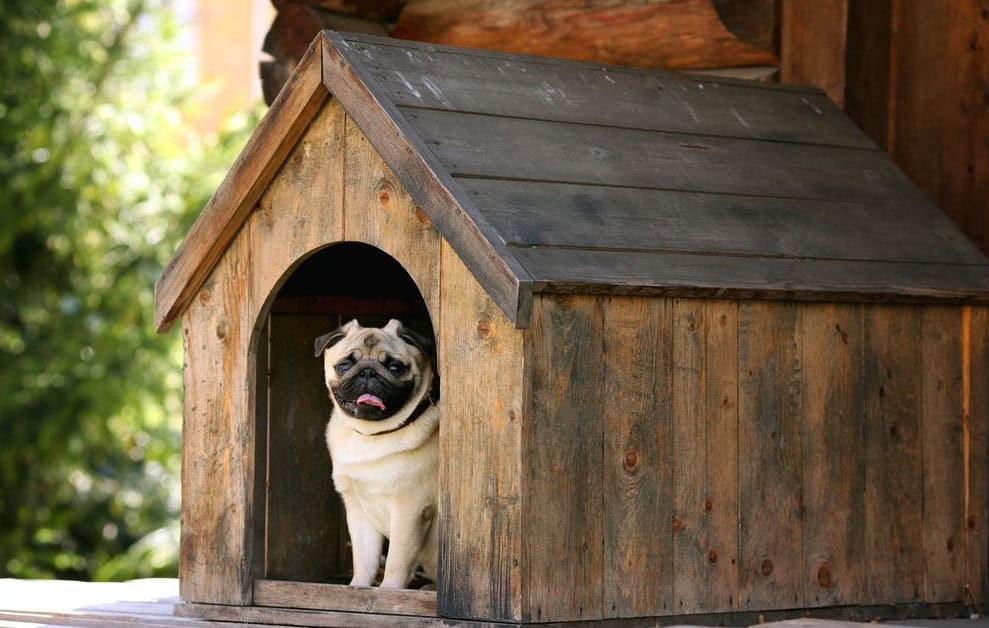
367,373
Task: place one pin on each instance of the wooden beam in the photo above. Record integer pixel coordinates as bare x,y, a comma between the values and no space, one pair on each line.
684,34
917,83
367,9
813,45
752,21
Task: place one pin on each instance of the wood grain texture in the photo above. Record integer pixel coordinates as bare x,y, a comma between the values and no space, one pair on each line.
286,227
939,133
943,496
638,457
369,9
894,539
258,545
619,271
977,511
415,166
588,216
381,213
339,597
868,66
480,512
934,127
486,146
705,474
754,21
563,534
667,34
547,89
223,216
833,455
812,46
770,409
284,617
218,507
306,527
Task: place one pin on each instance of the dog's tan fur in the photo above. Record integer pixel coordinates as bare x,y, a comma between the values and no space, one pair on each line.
388,482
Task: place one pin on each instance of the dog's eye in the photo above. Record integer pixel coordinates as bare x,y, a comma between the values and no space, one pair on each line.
343,366
397,368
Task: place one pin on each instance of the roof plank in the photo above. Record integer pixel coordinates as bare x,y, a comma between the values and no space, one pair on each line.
565,270
595,94
588,216
491,146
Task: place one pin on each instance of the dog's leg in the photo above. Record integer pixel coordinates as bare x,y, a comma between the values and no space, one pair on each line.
365,540
407,536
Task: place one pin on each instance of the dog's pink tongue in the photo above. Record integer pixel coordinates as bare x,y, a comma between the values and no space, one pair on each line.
371,400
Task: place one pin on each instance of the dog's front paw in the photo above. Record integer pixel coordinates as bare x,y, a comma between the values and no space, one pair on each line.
361,581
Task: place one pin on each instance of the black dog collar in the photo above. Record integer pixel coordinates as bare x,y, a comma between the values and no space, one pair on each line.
424,405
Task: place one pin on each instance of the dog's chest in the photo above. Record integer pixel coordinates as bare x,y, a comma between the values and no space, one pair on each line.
381,467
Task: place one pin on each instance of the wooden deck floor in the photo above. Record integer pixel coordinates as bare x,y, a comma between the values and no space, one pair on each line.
151,602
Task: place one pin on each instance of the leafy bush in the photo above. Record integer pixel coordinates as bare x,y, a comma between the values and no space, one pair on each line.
102,174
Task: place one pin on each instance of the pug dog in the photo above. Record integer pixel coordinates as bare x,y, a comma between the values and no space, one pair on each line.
384,443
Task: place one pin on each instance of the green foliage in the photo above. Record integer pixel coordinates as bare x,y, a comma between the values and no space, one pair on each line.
101,177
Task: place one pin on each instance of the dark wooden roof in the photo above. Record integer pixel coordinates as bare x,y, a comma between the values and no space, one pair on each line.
558,176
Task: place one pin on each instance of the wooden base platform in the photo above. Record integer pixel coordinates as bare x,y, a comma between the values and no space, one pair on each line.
155,603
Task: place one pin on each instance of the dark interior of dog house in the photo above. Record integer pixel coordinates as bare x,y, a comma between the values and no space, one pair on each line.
302,533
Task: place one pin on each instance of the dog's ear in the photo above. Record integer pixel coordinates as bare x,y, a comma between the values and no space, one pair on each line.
417,340
328,340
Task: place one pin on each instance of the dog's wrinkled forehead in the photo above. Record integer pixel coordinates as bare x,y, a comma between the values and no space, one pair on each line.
375,344
371,342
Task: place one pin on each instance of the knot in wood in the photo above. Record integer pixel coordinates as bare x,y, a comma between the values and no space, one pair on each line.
824,576
421,216
712,556
483,328
221,330
708,505
384,197
677,524
631,460
767,567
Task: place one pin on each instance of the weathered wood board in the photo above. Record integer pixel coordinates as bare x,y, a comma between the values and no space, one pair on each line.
481,508
759,455
302,509
638,455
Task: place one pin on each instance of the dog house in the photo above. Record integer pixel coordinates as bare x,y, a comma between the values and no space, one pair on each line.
704,351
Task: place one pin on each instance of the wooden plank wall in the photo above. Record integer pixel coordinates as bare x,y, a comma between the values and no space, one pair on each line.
223,545
480,510
918,84
690,456
302,510
219,555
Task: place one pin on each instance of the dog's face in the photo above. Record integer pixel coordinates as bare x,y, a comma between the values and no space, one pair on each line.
373,373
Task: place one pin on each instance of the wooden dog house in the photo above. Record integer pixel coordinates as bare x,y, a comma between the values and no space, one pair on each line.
703,349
